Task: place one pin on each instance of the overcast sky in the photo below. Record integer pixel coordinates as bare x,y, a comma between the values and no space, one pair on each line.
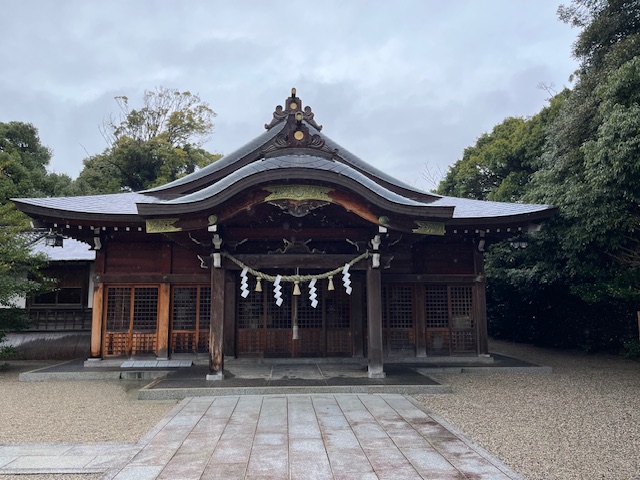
405,85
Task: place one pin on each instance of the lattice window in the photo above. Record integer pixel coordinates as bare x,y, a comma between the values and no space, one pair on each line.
250,310
205,308
461,300
338,309
185,308
279,316
145,308
118,309
437,307
309,317
397,306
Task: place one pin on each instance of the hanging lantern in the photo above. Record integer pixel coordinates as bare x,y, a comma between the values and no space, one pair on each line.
258,284
331,288
296,287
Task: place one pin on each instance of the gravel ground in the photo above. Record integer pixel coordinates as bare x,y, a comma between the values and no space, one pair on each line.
582,421
75,411
70,412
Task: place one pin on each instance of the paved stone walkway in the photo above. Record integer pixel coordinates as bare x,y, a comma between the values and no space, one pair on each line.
320,436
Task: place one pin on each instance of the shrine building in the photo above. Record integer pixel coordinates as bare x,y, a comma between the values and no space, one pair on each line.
290,246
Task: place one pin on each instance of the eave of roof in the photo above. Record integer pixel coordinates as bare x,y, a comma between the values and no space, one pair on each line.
109,207
291,168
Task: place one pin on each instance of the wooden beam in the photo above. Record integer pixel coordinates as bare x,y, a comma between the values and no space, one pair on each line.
96,321
240,233
216,339
374,322
133,279
424,278
162,332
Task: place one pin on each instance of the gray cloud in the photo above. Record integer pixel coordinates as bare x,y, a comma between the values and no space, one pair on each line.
403,84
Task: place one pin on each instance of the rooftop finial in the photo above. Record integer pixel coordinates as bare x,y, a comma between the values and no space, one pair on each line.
293,105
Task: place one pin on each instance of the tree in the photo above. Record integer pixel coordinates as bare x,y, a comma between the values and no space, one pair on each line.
588,168
500,165
578,283
23,161
155,144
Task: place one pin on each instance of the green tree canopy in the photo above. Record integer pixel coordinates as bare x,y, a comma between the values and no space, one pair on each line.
23,162
578,282
155,144
500,165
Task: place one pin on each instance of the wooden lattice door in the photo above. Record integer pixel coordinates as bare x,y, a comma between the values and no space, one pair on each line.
398,325
131,321
263,328
190,319
451,325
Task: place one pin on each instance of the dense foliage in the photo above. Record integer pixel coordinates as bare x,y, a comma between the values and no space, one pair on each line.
578,283
153,145
23,162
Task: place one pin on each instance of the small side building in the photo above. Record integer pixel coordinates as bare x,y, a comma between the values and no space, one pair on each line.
64,312
290,246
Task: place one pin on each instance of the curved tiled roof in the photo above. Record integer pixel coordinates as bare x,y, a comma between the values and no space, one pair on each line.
467,208
286,162
270,158
108,204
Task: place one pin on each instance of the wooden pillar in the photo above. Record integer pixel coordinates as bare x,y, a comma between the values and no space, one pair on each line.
162,329
480,303
97,313
96,321
374,322
481,317
420,310
216,339
356,318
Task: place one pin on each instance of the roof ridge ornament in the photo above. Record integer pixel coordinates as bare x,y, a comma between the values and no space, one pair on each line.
293,105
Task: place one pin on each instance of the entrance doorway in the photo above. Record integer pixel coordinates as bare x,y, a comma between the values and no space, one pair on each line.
265,329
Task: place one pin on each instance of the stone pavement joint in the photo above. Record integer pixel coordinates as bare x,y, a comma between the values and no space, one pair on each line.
319,436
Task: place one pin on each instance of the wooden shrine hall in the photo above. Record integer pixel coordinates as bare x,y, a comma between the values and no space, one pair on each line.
290,246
